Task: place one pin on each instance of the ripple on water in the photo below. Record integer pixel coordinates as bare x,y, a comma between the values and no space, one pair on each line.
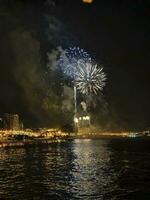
81,169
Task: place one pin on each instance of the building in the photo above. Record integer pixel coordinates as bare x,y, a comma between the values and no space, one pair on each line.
82,124
84,121
11,122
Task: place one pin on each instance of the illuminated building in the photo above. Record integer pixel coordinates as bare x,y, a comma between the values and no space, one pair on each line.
84,121
82,124
12,122
1,123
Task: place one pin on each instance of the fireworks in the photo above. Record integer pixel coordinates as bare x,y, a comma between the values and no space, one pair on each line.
89,78
70,58
77,54
86,75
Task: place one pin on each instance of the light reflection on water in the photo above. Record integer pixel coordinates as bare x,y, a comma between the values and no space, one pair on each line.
91,171
81,169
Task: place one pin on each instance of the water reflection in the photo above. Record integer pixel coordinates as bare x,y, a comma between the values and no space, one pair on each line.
92,174
78,169
81,169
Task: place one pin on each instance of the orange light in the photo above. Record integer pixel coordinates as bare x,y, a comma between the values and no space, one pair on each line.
87,1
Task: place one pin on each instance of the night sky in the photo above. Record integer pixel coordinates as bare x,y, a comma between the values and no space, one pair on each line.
116,33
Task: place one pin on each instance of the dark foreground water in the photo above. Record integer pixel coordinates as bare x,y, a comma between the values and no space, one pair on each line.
82,169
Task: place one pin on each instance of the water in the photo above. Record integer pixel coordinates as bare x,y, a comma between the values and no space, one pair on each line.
81,169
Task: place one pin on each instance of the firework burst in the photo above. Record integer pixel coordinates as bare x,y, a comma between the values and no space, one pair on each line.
89,78
77,54
70,58
86,75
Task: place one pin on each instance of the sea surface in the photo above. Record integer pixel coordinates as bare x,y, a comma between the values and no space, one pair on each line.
104,169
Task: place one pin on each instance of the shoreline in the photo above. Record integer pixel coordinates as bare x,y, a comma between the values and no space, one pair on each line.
53,136
5,142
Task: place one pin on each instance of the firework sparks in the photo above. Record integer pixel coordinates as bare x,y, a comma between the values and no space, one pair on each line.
70,58
77,53
78,65
89,78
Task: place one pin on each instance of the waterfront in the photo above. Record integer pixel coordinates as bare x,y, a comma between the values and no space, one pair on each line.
89,169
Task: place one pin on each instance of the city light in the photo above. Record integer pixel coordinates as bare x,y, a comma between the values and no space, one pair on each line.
84,118
87,118
76,120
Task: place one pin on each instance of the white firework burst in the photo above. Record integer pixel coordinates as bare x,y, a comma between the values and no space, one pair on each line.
78,66
89,78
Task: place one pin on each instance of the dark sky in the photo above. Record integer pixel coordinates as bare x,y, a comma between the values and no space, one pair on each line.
115,32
